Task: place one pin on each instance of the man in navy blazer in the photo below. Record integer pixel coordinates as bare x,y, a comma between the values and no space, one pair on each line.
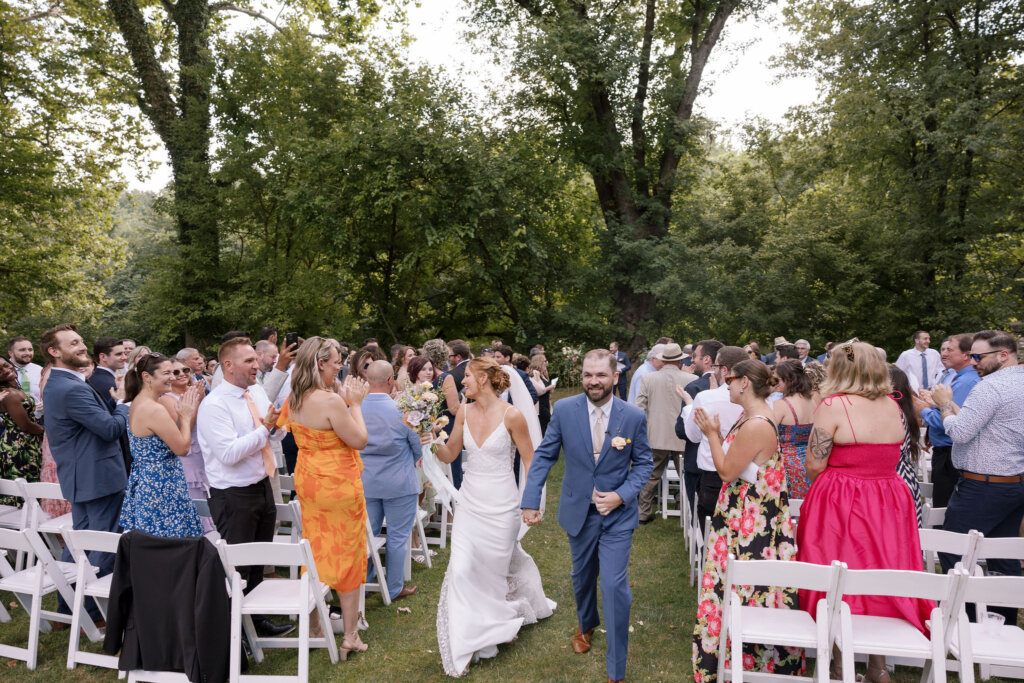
607,462
84,437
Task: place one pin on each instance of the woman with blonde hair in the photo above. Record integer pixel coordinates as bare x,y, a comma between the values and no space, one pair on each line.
859,510
538,372
326,420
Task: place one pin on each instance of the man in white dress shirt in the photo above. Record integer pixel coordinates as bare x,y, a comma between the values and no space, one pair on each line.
21,352
234,424
921,363
716,402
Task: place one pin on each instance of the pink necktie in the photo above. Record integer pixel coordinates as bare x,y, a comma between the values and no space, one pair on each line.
268,455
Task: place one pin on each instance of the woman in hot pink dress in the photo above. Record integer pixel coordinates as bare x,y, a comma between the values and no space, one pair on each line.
858,509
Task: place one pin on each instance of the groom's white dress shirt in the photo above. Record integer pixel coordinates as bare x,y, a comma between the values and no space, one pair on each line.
231,441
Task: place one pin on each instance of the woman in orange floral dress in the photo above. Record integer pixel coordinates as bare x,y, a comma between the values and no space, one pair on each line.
327,422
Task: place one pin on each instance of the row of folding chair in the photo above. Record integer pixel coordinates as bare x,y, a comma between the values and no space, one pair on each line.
970,643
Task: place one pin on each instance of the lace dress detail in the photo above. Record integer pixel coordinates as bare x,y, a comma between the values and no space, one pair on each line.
492,586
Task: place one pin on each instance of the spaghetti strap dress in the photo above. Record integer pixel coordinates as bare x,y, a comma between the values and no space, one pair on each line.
330,491
860,511
751,522
793,444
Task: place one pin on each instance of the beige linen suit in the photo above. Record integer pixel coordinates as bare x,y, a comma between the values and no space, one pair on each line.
657,397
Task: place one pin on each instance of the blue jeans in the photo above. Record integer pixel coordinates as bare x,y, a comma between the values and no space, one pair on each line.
993,509
401,515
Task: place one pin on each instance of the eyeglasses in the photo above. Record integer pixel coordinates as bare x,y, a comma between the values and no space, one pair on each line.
714,367
730,380
976,357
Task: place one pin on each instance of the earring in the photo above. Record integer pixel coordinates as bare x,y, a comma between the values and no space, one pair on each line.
742,390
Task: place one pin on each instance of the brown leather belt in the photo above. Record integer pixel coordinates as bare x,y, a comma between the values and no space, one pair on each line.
993,478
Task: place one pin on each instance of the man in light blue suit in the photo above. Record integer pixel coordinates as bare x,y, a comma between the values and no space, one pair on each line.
85,439
389,477
607,462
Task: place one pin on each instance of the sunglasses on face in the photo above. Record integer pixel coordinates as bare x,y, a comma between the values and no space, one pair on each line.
976,357
730,380
176,373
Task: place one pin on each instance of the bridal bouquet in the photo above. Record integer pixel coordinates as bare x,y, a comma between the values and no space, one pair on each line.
421,409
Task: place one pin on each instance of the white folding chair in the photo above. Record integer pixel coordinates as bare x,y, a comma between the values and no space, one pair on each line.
88,585
49,528
289,518
927,489
203,510
989,548
419,531
31,585
671,484
698,538
684,513
933,518
374,547
935,541
276,596
11,516
288,485
444,524
773,626
998,649
890,636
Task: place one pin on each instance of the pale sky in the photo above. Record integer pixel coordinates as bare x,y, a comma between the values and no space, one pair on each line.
739,82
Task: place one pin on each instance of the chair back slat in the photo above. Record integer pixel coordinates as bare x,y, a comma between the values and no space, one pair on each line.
897,583
249,554
1001,548
9,487
81,541
802,575
11,539
1005,591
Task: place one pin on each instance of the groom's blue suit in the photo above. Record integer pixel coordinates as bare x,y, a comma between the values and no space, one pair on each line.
600,544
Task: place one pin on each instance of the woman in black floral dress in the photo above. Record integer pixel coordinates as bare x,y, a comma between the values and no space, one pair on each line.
21,440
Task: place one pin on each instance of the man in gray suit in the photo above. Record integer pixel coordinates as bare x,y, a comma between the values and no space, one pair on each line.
85,439
389,477
658,398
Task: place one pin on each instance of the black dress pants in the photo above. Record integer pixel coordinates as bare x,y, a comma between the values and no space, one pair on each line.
708,487
245,514
944,475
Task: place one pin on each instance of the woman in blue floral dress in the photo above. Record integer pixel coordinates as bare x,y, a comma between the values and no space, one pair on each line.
156,500
751,522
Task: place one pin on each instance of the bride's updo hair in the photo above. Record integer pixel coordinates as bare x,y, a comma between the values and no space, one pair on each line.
496,377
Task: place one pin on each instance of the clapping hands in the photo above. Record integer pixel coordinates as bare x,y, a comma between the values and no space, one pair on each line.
681,393
189,403
709,424
354,390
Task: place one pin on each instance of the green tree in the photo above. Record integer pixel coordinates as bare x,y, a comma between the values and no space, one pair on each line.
617,83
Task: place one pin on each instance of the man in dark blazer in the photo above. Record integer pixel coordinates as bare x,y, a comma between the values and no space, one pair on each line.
85,439
110,356
624,366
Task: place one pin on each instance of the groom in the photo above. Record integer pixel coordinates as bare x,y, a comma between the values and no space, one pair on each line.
607,462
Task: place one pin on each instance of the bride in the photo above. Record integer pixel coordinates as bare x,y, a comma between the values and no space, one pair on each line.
492,587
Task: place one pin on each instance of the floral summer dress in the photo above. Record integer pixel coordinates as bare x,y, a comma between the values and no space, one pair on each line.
156,499
793,444
21,454
752,522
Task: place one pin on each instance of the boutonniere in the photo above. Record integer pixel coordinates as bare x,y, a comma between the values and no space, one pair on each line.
618,442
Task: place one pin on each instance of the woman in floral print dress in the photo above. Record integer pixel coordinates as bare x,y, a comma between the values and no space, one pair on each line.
751,522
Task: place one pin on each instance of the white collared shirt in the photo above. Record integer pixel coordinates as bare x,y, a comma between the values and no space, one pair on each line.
910,363
35,373
231,443
714,402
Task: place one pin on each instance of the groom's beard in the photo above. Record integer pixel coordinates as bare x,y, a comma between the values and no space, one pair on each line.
597,393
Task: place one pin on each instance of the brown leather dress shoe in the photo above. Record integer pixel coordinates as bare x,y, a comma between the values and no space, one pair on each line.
405,592
581,641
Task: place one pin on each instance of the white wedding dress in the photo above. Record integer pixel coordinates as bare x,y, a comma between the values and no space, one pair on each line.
492,587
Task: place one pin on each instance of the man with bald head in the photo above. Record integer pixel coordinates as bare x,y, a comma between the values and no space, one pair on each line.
389,477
